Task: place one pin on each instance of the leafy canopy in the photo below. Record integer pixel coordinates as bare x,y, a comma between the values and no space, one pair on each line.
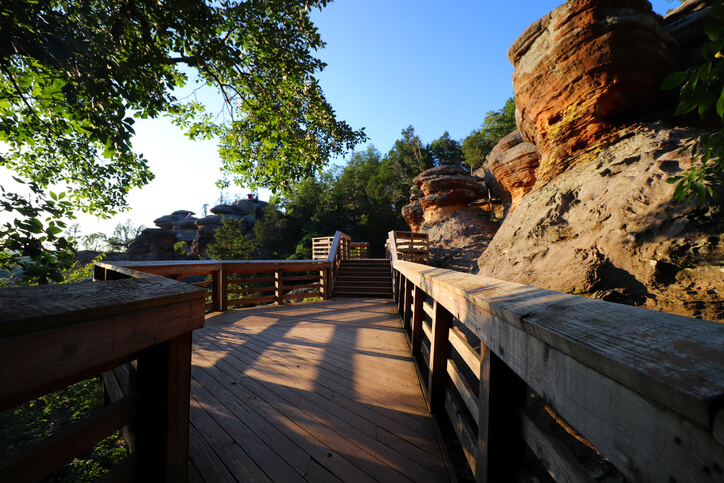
75,74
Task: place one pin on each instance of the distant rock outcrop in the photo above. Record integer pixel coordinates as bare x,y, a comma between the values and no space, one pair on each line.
197,233
458,233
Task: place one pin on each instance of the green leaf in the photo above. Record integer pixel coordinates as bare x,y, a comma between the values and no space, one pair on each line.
673,80
714,31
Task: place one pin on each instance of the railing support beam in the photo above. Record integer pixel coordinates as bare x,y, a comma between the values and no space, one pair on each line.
439,352
501,398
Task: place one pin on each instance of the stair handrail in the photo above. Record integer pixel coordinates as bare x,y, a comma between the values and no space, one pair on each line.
392,245
337,253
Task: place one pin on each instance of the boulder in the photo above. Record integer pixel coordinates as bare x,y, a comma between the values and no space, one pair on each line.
209,220
185,224
153,244
185,235
204,237
241,207
510,169
458,232
608,229
414,215
579,69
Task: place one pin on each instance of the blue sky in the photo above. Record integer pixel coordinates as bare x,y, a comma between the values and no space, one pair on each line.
438,66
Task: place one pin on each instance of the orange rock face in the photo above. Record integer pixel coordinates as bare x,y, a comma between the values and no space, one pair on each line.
512,163
579,68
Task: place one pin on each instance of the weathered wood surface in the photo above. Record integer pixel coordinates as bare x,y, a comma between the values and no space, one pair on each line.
25,309
311,392
63,355
646,388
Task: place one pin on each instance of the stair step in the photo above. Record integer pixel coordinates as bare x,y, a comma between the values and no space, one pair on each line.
386,295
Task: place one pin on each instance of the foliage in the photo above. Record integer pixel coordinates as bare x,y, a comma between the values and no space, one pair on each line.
271,234
351,199
124,234
75,74
407,158
446,151
181,248
496,125
43,417
31,244
230,242
702,88
79,273
95,242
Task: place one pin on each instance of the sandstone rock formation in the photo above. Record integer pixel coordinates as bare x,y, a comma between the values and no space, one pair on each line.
510,169
609,229
600,220
579,69
458,233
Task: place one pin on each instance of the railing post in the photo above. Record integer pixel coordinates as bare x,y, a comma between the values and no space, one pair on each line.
439,352
216,289
224,292
501,399
164,381
324,278
397,288
279,286
417,315
407,309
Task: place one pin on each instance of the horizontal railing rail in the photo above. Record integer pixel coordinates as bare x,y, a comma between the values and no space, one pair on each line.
56,335
645,388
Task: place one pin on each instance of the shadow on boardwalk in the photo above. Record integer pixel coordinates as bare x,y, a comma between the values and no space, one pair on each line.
310,392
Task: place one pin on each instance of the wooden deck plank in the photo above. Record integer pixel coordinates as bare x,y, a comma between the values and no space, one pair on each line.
328,389
337,411
415,429
410,410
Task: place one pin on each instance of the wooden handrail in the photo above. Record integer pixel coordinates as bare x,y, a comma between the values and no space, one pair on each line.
56,335
645,388
271,280
409,246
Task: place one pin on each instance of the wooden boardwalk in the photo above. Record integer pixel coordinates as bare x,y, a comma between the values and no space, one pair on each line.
310,392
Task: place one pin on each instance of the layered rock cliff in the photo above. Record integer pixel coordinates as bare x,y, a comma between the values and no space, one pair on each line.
585,203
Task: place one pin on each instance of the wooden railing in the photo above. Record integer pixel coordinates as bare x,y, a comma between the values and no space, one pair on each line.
238,283
54,336
409,246
645,388
321,246
359,250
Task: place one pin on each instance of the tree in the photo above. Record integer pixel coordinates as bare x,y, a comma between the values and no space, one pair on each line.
702,88
124,234
230,242
407,158
496,125
75,74
446,151
95,242
32,242
271,234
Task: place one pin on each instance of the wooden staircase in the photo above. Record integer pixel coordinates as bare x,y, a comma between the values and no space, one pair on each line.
368,277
